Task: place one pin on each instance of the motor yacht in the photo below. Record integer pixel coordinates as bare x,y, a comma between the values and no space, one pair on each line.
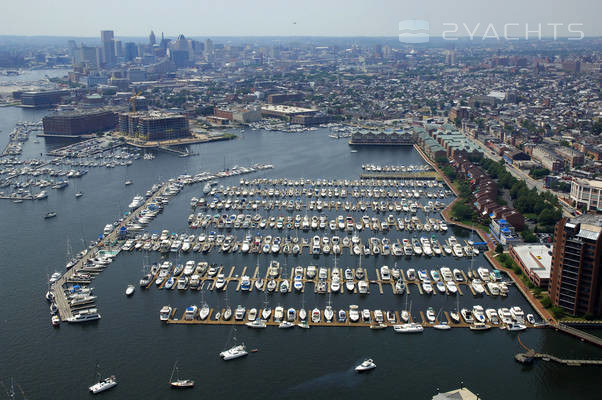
367,365
234,352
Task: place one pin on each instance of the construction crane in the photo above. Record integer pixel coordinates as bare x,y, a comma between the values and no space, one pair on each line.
133,100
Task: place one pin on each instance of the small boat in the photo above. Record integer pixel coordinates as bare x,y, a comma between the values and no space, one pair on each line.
128,182
256,324
165,313
79,194
51,214
367,365
531,319
55,320
479,326
179,383
130,290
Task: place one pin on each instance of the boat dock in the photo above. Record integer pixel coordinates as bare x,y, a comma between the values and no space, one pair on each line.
581,335
400,175
61,301
530,355
372,323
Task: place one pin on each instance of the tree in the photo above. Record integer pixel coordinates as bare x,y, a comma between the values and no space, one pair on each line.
462,211
499,248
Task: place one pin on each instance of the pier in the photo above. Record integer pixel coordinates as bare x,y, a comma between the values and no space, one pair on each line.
61,301
530,355
400,175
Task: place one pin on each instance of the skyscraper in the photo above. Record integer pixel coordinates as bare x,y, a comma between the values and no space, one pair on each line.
130,51
576,275
108,47
152,39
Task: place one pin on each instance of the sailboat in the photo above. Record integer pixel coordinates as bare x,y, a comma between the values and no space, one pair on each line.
179,383
303,314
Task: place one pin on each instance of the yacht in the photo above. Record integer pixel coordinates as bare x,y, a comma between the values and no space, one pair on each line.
245,283
411,327
367,365
240,312
266,313
234,352
328,314
190,313
256,324
515,327
165,313
479,326
204,313
385,273
89,314
130,290
315,315
103,385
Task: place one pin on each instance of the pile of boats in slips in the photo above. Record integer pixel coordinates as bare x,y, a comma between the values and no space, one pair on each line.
438,280
477,318
315,222
382,206
167,242
397,168
333,183
323,195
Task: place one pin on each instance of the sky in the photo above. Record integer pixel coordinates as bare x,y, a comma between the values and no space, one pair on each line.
85,18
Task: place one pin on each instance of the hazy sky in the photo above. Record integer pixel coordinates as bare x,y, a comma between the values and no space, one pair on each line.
288,18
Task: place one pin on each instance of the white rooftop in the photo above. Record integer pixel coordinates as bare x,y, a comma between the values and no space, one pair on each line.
536,257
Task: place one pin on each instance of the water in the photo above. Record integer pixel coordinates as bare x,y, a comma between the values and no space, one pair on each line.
131,343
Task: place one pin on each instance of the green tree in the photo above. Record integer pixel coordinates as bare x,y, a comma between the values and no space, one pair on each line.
499,248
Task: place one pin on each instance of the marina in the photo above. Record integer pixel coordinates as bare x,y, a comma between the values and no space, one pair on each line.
138,313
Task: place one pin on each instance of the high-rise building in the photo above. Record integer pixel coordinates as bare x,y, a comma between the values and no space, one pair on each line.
576,275
108,47
130,51
118,48
151,38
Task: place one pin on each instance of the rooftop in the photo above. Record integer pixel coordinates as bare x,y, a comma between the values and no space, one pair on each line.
536,257
458,394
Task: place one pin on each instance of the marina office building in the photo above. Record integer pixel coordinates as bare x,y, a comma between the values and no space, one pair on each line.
576,278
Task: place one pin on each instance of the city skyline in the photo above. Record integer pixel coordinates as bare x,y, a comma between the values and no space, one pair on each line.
312,18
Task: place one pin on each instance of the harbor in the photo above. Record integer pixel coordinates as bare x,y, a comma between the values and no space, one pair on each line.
138,314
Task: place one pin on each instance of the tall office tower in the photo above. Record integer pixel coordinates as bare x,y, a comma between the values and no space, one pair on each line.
576,276
208,47
118,48
152,39
108,47
130,51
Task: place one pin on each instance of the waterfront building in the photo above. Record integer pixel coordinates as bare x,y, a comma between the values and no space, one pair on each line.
79,123
154,125
503,232
587,192
382,137
243,115
535,260
285,112
42,99
576,278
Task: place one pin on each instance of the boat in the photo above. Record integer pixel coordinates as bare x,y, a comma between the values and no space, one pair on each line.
55,320
50,214
256,324
430,315
479,326
103,384
411,327
315,316
286,325
442,326
531,319
328,313
515,327
89,314
130,290
79,194
165,313
179,383
367,365
234,352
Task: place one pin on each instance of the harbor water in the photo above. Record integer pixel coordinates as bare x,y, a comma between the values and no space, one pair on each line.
131,343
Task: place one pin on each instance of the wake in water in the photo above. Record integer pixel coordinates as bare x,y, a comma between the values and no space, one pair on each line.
341,379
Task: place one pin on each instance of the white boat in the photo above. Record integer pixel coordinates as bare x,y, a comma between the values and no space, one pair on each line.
367,365
411,327
234,352
256,324
286,325
103,385
315,315
531,319
204,313
165,313
328,314
442,326
515,327
130,290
